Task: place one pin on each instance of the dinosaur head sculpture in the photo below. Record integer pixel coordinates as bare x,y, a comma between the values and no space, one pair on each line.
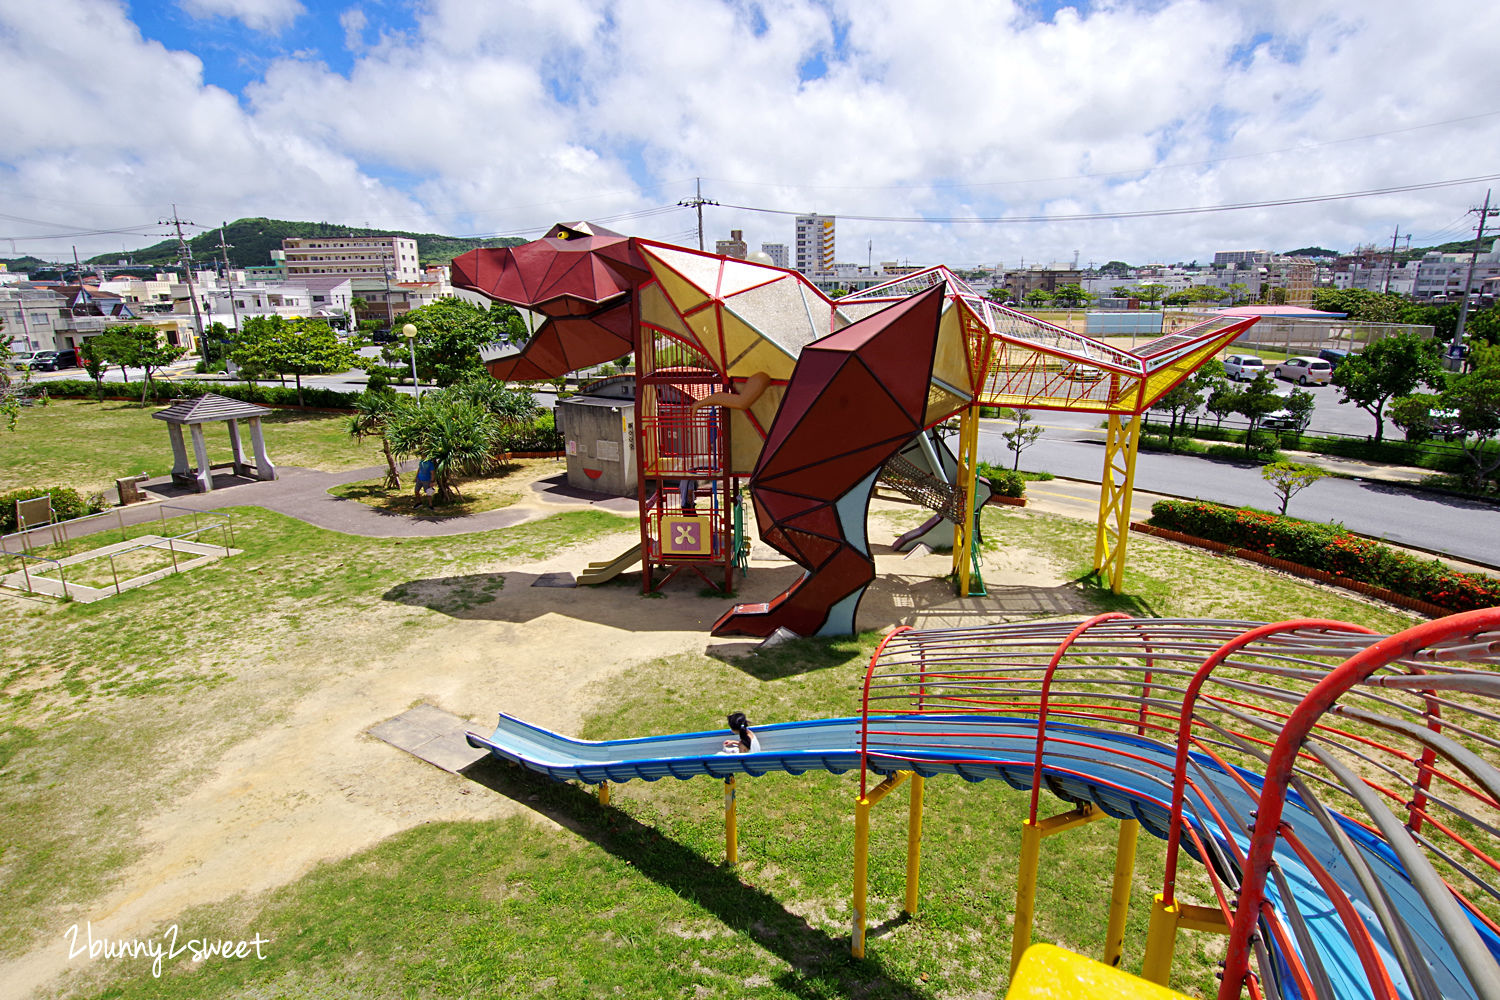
580,277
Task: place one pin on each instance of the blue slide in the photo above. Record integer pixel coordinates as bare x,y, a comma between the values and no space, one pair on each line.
1127,776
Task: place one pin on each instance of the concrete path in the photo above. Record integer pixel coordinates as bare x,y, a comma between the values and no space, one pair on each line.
303,494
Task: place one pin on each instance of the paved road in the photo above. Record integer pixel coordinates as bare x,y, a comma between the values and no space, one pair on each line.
1464,529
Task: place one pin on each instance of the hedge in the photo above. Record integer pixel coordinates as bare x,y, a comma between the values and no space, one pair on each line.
160,390
1330,548
66,504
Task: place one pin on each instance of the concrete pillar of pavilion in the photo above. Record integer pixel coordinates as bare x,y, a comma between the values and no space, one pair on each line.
263,467
237,449
205,477
181,469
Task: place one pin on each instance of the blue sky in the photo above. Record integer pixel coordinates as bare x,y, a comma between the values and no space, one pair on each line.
504,116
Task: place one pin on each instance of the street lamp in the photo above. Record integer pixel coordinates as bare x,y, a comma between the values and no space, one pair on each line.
409,331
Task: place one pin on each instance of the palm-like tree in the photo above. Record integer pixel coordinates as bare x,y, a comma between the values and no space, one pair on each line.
372,420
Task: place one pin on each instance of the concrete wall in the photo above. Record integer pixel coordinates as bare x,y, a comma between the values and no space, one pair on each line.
600,443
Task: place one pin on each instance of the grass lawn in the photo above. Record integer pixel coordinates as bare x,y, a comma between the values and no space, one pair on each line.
571,899
86,445
501,488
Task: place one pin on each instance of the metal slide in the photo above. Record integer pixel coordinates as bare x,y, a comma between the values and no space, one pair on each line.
1119,772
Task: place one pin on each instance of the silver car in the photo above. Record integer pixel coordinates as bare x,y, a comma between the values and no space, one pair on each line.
1305,370
1243,367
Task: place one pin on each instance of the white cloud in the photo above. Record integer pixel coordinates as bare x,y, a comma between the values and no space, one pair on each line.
353,21
270,16
479,117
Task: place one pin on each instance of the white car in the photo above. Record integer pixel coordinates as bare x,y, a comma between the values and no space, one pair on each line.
1305,370
1243,367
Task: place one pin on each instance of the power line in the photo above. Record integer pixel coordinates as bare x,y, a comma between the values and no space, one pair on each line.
1142,214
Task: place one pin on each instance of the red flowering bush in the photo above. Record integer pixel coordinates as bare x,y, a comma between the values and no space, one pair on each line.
1332,549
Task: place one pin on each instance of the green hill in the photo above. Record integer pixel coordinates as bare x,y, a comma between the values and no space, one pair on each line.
252,240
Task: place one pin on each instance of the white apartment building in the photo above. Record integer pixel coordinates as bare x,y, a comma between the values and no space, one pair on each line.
814,243
352,257
1441,275
778,254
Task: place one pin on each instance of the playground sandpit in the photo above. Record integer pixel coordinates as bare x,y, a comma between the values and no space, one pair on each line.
317,787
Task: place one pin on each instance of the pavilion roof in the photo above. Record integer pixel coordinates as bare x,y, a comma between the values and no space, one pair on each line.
209,407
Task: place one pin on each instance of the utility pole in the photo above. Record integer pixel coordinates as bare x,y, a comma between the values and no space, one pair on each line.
224,248
1390,263
698,201
1463,308
185,254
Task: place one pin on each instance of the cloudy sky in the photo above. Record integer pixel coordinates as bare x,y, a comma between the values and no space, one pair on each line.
492,117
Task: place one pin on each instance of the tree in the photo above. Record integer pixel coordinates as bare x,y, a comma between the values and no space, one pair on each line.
458,435
1038,297
1412,415
154,354
1290,478
1238,292
1118,268
1022,436
998,293
252,347
1476,398
375,407
1392,366
137,344
10,395
116,346
1122,291
1300,404
1150,293
1222,400
1254,402
306,347
450,333
95,366
1072,295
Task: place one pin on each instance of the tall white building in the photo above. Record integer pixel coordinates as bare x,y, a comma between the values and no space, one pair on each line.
778,254
814,243
352,257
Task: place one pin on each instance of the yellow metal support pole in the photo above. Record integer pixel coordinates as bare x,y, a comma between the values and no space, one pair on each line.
1161,941
1119,899
861,870
604,793
862,809
914,842
731,823
1161,936
968,471
1031,853
1115,488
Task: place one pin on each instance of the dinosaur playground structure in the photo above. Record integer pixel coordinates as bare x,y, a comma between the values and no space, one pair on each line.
1332,790
748,373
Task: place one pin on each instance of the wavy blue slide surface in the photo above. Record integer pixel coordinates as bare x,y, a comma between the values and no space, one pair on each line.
1125,775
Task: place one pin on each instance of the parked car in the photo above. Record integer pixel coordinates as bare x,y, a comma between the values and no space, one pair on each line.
1243,367
1082,373
51,361
22,359
1283,419
1444,424
1333,356
1305,370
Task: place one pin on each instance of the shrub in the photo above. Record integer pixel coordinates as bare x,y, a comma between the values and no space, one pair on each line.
541,435
66,503
163,391
1330,548
1007,483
